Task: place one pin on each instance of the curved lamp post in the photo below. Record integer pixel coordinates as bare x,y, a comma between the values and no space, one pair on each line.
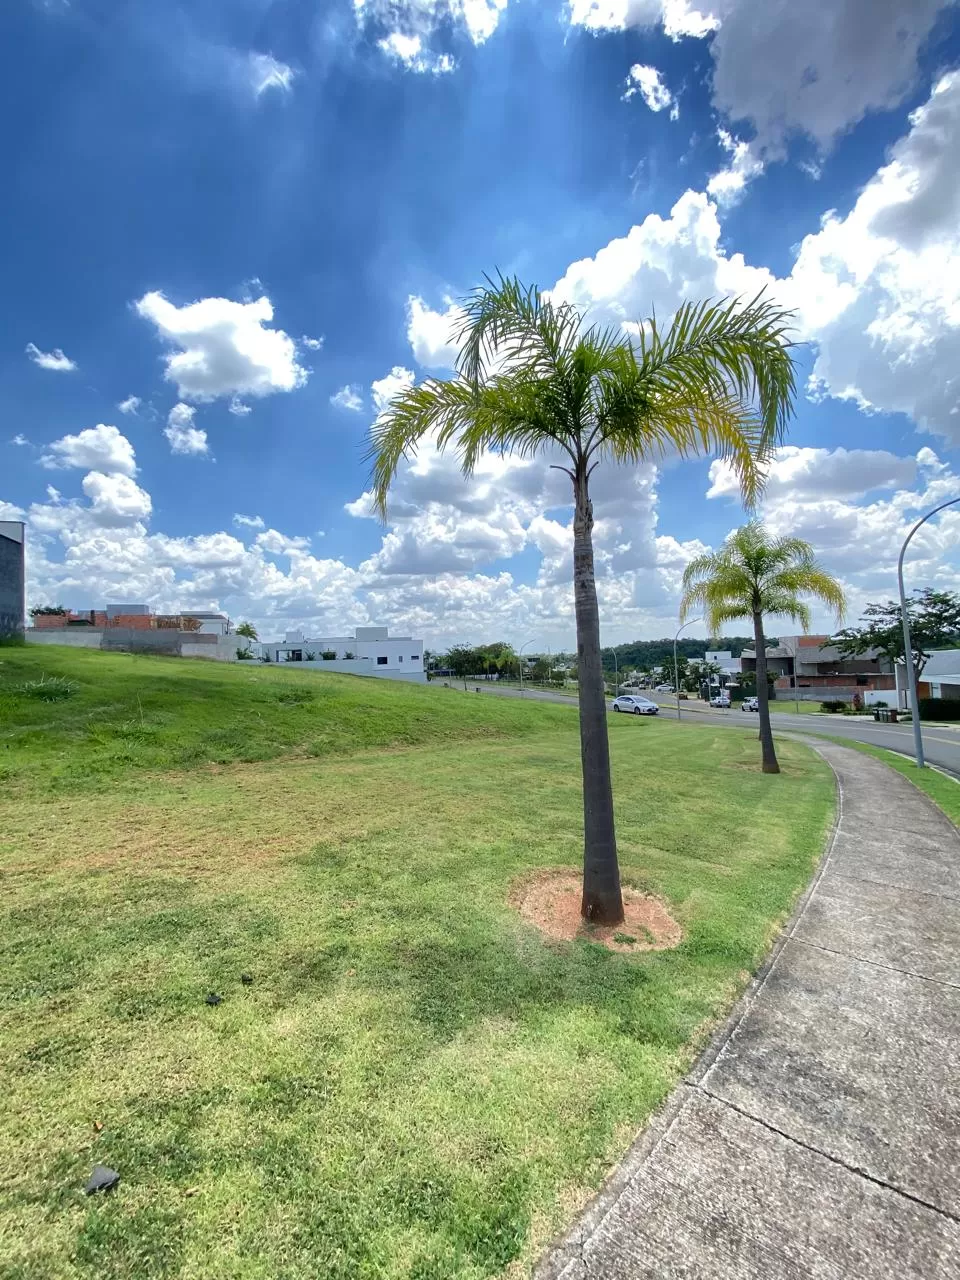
907,647
676,669
520,662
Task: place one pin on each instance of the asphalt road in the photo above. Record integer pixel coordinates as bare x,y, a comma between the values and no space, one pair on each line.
941,746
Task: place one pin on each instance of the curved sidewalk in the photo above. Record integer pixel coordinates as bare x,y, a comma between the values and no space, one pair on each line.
819,1136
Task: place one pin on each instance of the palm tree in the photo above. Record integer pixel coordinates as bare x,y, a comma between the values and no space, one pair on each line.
247,630
754,574
533,378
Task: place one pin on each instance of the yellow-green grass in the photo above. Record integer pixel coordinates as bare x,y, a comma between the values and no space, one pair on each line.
416,1084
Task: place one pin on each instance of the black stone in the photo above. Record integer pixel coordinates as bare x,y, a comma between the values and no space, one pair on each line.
213,998
102,1179
246,978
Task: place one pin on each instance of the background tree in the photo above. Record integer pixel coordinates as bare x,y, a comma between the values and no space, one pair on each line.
754,574
934,624
247,630
533,378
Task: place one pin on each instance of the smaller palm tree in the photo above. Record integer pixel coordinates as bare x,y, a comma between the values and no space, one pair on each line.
247,630
754,574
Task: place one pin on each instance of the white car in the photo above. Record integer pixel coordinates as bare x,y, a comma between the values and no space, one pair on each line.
720,700
633,704
664,688
751,704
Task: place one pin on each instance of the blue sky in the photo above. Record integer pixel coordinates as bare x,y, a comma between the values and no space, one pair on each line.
233,228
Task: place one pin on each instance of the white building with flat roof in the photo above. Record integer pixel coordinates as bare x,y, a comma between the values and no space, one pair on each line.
370,651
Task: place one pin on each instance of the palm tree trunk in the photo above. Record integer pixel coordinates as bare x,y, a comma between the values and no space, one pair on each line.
602,899
767,751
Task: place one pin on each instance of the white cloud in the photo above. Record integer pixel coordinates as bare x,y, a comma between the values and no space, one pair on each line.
431,333
348,397
265,72
648,83
312,344
278,544
19,439
879,289
797,472
238,408
407,28
248,522
384,389
180,431
53,360
785,68
130,405
99,448
8,511
115,500
729,184
223,348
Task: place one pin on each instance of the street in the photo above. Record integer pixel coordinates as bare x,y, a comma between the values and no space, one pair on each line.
941,746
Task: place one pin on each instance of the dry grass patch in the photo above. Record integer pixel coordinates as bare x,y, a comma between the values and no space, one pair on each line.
550,900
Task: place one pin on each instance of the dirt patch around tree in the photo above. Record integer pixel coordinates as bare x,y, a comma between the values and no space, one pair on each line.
550,900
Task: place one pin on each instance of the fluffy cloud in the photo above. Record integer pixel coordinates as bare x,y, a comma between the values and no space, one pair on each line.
312,344
390,385
99,448
348,397
265,72
648,83
807,473
223,348
183,436
729,184
115,500
53,360
431,333
130,405
785,68
406,28
248,522
19,439
278,544
879,289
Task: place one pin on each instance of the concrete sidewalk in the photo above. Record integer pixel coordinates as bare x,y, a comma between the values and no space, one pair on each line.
820,1134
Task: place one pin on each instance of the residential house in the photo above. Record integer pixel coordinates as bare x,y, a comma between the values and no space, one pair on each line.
11,577
812,669
372,652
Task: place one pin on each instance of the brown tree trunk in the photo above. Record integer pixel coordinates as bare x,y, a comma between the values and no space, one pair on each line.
602,899
767,751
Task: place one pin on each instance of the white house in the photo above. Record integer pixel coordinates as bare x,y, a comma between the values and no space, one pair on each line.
370,651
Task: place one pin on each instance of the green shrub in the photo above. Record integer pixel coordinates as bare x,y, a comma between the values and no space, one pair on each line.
47,688
940,708
329,655
244,655
833,705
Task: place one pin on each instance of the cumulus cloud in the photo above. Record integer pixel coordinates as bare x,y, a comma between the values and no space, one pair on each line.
248,522
115,500
312,344
53,360
797,472
99,448
266,72
130,405
384,389
410,52
19,439
728,184
223,348
783,68
407,29
648,83
430,333
183,436
278,544
348,397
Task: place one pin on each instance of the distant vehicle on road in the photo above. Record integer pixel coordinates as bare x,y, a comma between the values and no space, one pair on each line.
633,704
664,688
751,704
720,700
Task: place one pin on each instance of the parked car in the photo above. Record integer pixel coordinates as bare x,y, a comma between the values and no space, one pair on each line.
636,705
664,688
720,700
751,704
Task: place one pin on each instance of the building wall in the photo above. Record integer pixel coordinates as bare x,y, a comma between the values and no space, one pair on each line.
12,603
72,637
403,655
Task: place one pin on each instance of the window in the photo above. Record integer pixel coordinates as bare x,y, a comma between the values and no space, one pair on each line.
414,657
381,662
400,658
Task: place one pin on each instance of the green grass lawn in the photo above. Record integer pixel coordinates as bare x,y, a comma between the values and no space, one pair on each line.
415,1084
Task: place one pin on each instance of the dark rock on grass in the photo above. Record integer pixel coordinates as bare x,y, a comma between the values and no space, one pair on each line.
214,999
102,1179
246,979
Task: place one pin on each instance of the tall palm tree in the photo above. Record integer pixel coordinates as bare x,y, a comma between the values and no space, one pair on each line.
752,575
533,378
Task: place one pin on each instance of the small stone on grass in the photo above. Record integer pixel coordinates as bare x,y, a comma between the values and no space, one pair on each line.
102,1179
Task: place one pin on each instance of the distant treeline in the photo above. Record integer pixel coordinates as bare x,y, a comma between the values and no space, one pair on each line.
644,654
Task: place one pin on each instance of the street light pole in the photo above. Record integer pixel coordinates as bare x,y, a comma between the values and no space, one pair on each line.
676,669
907,646
520,660
616,672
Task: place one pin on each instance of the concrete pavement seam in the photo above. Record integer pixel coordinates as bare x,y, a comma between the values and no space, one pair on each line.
875,964
842,1164
887,884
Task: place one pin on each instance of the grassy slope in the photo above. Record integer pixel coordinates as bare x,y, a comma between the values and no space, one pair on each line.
416,1084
